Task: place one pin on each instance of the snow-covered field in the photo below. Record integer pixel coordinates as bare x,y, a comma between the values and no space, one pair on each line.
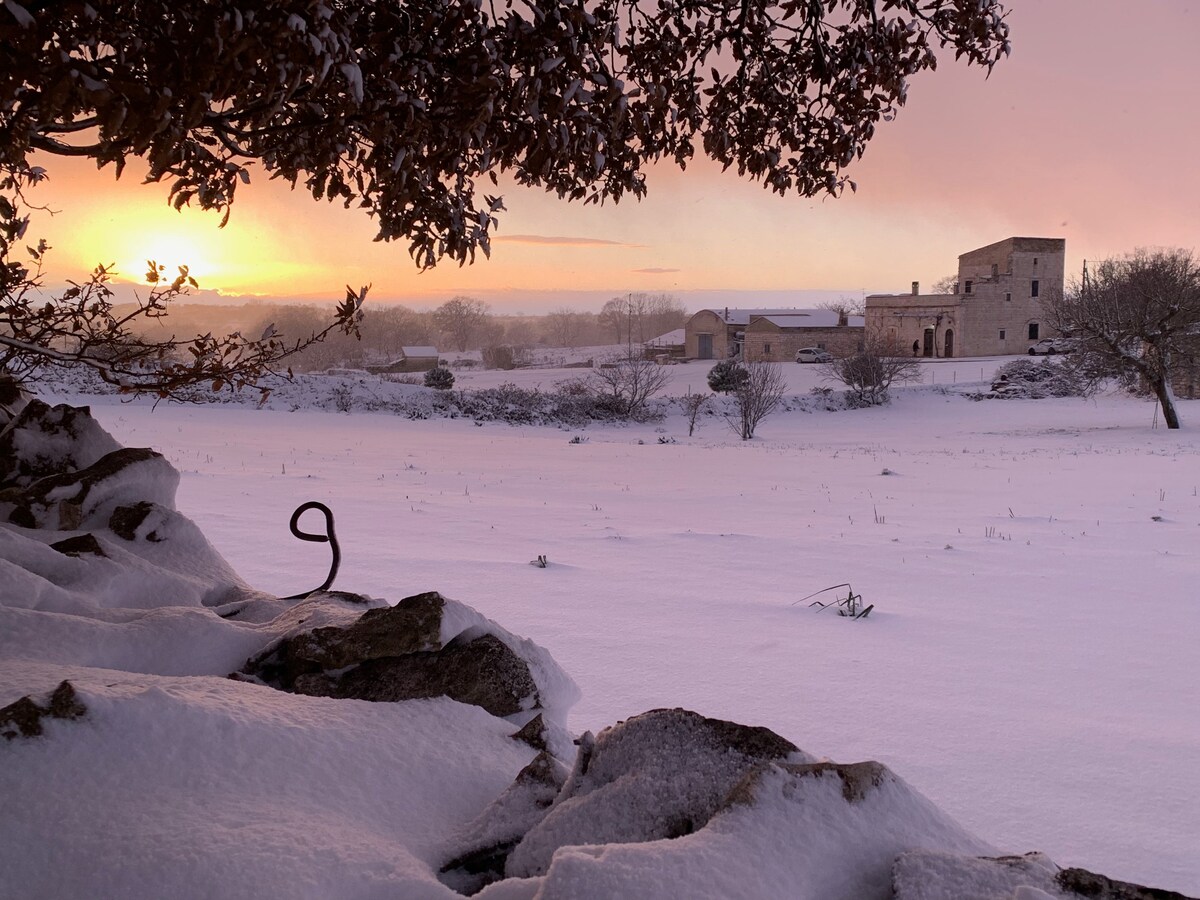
1029,664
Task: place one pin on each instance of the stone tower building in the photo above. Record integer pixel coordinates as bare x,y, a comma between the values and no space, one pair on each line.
996,308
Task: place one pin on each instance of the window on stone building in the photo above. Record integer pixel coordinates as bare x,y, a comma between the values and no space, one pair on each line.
1008,295
1001,334
995,270
1033,331
820,346
1033,288
967,286
766,348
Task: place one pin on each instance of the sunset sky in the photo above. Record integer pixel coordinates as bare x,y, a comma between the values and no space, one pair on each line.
1087,132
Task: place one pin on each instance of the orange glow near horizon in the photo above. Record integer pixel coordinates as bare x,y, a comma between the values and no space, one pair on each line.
1078,135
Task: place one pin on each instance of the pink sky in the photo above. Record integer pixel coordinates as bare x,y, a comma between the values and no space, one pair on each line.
1086,132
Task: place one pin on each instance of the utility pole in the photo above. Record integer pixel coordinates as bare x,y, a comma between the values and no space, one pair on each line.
629,326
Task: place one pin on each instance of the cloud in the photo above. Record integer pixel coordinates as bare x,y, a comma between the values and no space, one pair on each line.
654,270
560,240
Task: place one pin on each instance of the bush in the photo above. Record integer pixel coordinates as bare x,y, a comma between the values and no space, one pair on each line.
1034,380
627,385
758,394
440,379
870,373
726,376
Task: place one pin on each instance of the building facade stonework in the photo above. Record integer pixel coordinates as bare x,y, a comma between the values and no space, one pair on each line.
996,308
770,335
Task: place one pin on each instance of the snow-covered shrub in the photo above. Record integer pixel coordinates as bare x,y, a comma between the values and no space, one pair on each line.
627,384
1035,380
343,397
726,376
440,379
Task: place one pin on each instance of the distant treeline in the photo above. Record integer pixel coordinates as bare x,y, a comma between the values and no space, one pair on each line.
460,324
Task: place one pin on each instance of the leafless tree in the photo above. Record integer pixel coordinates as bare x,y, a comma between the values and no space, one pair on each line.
613,317
693,405
845,306
870,373
630,382
639,317
564,327
756,397
1137,318
662,313
462,320
947,284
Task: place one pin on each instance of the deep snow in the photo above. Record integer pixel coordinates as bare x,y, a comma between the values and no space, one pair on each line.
1028,666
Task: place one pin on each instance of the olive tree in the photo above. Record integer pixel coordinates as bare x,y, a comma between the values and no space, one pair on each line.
1136,318
402,109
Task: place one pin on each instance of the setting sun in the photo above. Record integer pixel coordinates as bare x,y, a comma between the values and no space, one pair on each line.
170,251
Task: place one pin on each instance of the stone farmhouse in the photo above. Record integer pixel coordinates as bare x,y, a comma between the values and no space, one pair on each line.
770,335
995,308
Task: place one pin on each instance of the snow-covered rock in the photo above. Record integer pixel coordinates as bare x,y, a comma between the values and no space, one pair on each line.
803,831
656,776
424,646
482,848
937,875
43,440
23,718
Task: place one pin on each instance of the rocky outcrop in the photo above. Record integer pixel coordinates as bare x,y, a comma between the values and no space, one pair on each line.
424,646
411,626
934,875
483,847
80,545
43,440
1082,883
80,499
23,718
662,774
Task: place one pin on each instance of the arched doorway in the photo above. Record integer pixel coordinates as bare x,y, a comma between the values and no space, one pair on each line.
927,350
949,343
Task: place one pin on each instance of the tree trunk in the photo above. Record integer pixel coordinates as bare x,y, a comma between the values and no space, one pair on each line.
1166,399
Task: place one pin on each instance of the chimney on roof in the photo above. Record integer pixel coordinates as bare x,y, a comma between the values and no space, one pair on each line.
727,312
916,288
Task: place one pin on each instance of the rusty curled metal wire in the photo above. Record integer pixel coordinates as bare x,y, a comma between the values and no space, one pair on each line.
329,537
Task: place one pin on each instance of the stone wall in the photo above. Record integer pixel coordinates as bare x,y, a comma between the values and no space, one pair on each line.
769,343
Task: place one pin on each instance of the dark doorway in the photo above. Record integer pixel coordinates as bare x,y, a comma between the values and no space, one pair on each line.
705,349
928,349
949,343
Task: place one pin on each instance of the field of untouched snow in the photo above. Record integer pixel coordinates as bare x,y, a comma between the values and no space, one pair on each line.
1029,664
